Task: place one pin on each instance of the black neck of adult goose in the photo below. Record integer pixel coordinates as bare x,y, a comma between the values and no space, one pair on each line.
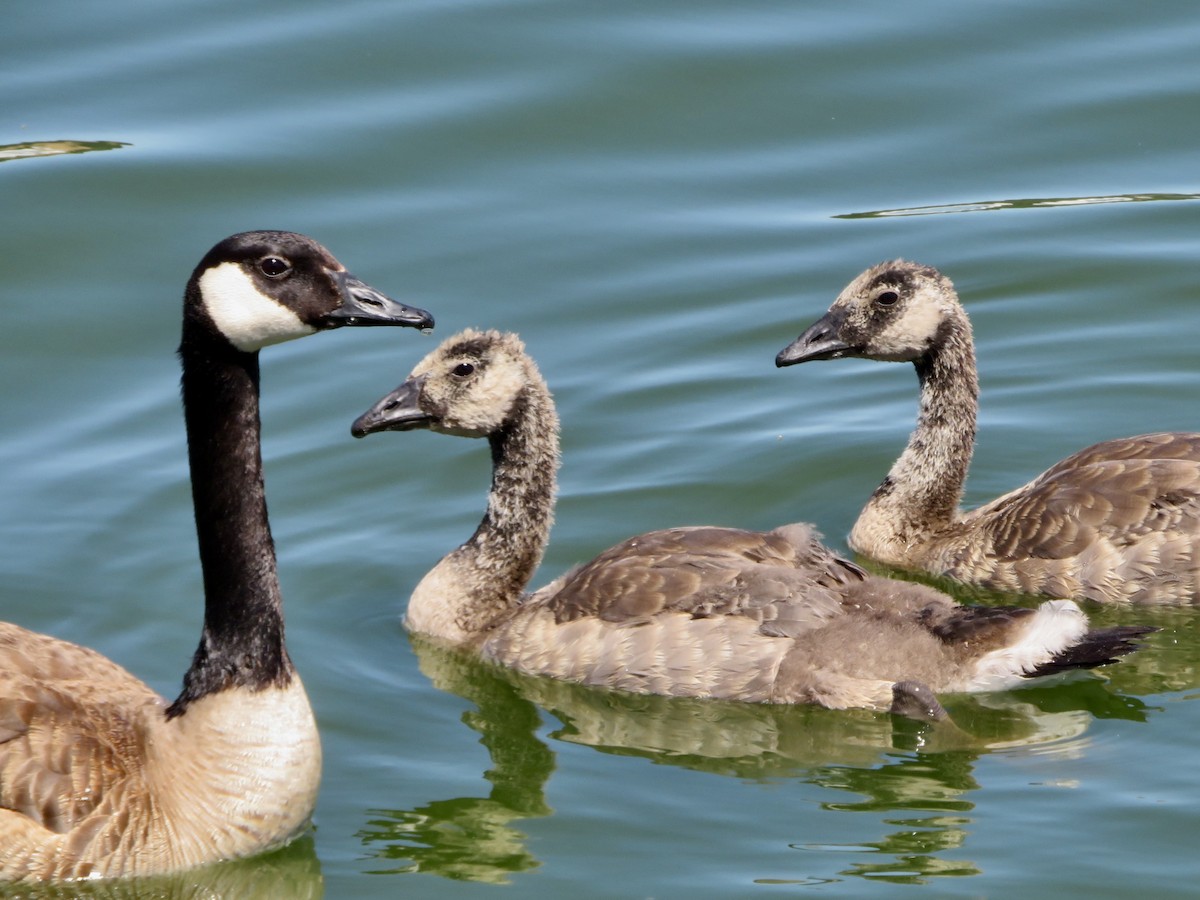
509,542
243,643
925,485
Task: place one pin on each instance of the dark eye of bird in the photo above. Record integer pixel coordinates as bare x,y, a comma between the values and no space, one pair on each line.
462,370
273,266
887,298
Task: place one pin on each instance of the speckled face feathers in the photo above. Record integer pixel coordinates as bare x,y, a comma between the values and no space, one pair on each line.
468,386
894,311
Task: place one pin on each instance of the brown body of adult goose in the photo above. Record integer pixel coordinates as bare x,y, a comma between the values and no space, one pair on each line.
99,776
770,617
1117,521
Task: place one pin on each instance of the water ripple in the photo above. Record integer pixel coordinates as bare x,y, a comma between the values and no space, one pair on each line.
1026,203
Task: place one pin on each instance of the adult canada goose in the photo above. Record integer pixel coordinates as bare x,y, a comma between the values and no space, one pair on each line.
1118,521
709,612
99,776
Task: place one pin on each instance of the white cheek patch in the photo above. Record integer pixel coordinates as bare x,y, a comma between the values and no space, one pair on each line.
912,331
248,318
490,399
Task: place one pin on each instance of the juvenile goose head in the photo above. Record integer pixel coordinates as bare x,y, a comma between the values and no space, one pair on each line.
894,312
99,776
1116,521
482,384
469,387
769,617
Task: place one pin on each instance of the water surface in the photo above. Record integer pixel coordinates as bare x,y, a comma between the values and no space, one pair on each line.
658,197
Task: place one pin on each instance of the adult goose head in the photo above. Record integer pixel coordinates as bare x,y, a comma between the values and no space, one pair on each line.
99,776
1117,521
771,617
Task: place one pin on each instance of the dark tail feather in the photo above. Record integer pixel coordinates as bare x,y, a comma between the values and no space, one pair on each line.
1098,648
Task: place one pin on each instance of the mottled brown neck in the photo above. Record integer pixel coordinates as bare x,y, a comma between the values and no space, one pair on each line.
924,487
512,537
485,577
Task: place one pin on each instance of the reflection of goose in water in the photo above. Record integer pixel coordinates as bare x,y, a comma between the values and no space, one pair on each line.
293,873
889,764
755,740
1174,664
470,838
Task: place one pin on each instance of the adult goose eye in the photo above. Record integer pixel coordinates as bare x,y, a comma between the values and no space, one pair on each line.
462,370
274,267
887,298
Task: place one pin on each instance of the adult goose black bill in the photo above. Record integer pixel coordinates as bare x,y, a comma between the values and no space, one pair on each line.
1117,521
99,776
772,617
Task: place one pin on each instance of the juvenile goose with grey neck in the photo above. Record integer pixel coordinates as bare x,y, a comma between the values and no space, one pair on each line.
770,617
99,776
1117,521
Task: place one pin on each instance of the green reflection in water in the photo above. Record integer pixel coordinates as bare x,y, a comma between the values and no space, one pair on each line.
1051,718
470,838
293,873
890,764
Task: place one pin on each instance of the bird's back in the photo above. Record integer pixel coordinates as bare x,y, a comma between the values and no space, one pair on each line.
73,735
702,611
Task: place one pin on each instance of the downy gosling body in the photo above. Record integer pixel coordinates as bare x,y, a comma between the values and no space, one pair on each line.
1117,521
99,776
771,617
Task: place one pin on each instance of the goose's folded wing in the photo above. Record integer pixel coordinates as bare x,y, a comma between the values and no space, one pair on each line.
70,727
783,578
1069,509
1161,445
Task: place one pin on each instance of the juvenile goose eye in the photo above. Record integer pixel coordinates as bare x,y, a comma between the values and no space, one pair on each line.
462,370
273,266
887,298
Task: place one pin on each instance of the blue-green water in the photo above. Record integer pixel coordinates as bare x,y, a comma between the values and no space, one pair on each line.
658,196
